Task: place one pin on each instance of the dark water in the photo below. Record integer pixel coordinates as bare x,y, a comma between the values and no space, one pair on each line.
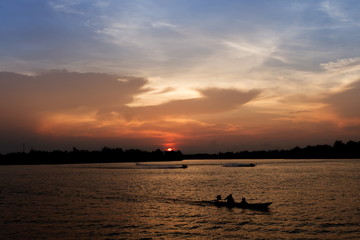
317,199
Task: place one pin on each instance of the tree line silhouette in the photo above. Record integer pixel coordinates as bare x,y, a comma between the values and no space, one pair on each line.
339,149
106,155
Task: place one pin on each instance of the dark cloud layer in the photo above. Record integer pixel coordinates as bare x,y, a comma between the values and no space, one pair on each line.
24,100
60,109
64,90
61,103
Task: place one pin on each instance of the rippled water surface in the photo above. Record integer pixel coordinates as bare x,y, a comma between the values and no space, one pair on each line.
317,199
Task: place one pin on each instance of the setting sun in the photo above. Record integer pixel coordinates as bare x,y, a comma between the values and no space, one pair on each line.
169,149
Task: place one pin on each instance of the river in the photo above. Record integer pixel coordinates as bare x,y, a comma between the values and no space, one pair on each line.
312,199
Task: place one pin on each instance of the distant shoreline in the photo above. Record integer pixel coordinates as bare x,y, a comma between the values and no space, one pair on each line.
339,150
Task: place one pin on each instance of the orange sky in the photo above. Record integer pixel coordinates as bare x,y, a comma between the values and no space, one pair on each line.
61,105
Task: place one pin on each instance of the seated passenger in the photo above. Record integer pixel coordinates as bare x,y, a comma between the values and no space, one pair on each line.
218,198
230,199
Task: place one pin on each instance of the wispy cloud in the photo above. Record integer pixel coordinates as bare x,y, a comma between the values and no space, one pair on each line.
68,7
340,63
334,10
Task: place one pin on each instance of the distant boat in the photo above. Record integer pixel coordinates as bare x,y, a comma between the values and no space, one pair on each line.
238,165
160,166
254,206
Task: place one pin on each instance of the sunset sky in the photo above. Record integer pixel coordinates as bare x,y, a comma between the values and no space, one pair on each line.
196,76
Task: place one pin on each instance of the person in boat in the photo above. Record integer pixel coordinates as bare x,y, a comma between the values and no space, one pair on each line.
230,199
243,202
218,198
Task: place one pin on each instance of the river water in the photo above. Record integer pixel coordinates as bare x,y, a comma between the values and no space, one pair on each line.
312,199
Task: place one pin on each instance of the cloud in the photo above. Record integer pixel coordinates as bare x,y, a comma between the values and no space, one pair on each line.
60,109
26,98
346,102
162,24
340,63
65,7
213,101
334,10
165,90
62,104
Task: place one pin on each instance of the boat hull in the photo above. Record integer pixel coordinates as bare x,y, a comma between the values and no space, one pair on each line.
256,206
160,166
238,165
